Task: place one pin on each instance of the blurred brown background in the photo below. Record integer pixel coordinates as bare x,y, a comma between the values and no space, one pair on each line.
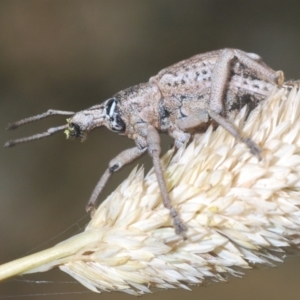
70,55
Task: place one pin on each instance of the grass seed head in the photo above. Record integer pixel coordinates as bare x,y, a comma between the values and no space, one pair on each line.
239,211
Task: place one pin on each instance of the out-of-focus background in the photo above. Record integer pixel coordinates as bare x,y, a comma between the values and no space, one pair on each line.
70,55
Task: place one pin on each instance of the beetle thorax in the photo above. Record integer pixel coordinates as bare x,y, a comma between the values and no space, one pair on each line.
139,104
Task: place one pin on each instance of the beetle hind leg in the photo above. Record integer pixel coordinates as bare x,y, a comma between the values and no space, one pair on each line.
226,124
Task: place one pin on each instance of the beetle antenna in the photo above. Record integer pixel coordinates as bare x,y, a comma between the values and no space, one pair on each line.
50,112
50,131
38,136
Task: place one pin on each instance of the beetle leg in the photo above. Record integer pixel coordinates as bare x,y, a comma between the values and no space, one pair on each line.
154,149
122,159
222,71
193,120
219,82
226,124
259,67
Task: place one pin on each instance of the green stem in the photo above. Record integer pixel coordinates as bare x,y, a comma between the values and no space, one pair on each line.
48,256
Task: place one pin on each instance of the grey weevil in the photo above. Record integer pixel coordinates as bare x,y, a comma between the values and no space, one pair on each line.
181,100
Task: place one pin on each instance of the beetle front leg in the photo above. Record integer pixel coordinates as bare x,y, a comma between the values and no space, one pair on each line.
122,159
154,149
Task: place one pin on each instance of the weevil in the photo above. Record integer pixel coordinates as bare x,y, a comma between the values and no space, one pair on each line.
181,100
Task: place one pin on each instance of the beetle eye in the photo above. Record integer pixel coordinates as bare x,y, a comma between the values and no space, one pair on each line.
110,107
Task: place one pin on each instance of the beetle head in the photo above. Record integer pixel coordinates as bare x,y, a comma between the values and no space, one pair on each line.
105,114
